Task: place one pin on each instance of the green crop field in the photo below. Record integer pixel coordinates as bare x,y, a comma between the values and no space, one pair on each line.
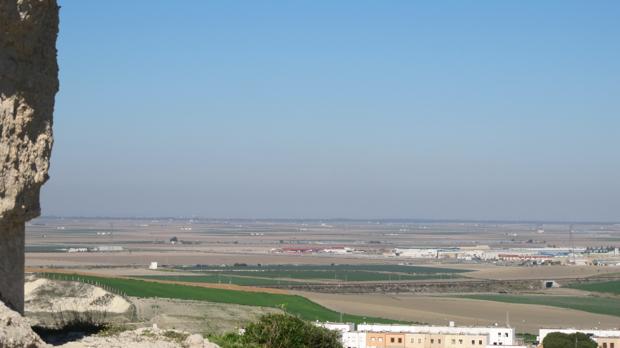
269,278
598,305
612,287
310,273
339,275
223,279
293,304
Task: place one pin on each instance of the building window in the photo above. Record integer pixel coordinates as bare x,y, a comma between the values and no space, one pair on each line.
460,341
604,345
611,345
432,340
419,340
400,340
473,342
480,342
439,340
453,341
392,339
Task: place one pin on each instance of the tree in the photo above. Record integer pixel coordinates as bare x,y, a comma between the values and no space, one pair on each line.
286,331
562,340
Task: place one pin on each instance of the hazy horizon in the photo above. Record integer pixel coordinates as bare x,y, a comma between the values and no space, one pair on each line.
338,219
501,111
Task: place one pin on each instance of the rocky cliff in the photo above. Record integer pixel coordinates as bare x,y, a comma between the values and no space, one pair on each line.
15,331
28,85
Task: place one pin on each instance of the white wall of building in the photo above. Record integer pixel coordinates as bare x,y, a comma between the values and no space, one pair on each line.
417,253
497,335
341,327
354,339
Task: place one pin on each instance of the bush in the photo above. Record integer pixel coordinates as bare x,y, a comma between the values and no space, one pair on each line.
281,331
232,340
285,331
562,340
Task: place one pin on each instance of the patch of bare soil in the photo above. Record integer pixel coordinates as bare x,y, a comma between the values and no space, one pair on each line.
196,316
440,310
44,295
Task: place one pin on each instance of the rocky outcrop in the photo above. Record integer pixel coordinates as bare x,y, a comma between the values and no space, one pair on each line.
15,331
28,85
144,338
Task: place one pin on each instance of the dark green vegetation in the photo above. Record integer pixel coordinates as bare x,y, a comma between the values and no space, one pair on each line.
281,331
295,274
223,279
598,305
271,278
292,304
527,338
562,340
612,287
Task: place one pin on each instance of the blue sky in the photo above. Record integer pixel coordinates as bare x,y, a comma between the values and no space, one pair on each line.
326,109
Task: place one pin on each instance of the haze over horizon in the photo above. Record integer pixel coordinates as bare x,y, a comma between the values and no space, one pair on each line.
354,109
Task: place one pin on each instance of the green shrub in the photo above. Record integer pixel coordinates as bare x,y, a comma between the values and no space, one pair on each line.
281,331
232,340
562,340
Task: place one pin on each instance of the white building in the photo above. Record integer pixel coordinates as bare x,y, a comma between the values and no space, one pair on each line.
153,265
498,336
341,327
108,248
417,253
353,339
77,250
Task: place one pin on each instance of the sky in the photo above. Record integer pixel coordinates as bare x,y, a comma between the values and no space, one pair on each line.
500,110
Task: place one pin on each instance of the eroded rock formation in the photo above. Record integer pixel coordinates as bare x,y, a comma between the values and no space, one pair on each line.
15,331
28,85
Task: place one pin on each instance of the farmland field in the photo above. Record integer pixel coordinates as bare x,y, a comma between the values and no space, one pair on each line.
280,274
293,304
612,287
333,268
599,305
438,310
223,279
281,277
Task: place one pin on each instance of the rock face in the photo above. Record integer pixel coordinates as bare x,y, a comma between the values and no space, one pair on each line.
15,331
28,84
144,338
